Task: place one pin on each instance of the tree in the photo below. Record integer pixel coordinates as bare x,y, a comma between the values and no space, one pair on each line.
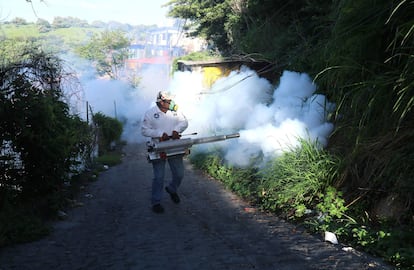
279,30
207,19
40,140
19,21
108,50
43,25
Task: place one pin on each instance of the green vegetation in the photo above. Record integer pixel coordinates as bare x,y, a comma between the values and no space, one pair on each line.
61,39
36,127
108,50
360,54
109,131
47,153
297,179
241,181
110,158
195,56
299,186
42,143
44,148
20,225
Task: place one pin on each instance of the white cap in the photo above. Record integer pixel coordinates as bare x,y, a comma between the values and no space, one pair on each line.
164,95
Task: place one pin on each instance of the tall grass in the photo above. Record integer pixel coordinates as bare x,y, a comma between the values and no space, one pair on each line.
369,74
285,185
297,178
243,181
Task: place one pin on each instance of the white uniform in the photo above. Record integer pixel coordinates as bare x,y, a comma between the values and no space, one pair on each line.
156,122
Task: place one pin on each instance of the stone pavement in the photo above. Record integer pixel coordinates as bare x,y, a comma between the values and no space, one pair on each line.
210,229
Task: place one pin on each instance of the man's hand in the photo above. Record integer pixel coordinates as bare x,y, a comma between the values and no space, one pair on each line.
164,137
175,135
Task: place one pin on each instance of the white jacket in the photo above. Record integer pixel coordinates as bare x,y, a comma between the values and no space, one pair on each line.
156,122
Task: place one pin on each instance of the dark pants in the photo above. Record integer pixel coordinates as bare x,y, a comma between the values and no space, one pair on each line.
177,170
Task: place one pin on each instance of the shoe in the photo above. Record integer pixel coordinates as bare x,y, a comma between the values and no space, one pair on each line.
157,208
173,195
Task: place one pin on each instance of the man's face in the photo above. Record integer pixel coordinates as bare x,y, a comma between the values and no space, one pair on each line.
165,104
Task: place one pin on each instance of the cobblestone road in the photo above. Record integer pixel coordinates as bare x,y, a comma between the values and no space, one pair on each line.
210,229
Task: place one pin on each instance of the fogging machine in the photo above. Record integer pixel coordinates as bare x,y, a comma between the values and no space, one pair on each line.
164,149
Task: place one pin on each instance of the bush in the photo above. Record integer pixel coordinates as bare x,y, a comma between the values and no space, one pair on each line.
18,224
110,131
242,181
297,179
41,141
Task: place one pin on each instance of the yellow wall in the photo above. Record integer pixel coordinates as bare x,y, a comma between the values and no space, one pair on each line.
212,74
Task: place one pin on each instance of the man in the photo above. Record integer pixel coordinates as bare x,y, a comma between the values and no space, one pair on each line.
163,122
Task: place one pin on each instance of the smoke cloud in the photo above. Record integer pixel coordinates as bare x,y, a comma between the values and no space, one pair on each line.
270,120
116,98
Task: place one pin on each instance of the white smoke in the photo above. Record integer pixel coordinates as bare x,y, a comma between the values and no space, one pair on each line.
270,121
117,98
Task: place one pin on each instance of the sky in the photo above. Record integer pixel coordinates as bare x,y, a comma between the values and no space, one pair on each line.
134,12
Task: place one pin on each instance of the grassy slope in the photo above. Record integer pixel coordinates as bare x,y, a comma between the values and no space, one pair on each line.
70,36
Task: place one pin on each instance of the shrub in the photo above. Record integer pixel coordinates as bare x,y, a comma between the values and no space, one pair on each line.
41,140
110,131
297,178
